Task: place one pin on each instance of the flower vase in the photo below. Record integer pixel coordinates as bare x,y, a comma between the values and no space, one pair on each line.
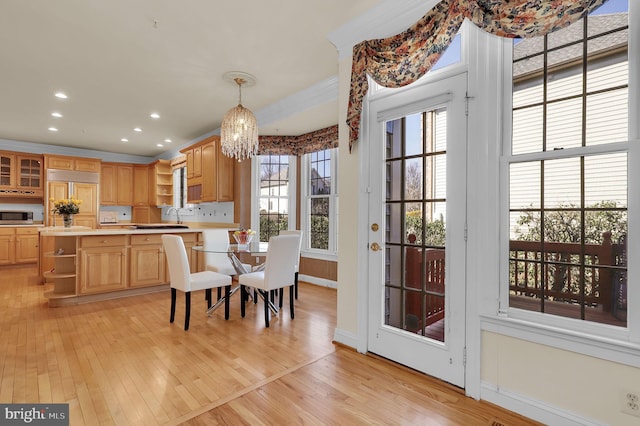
67,219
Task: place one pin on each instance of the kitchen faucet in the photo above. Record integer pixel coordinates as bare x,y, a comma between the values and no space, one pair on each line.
177,210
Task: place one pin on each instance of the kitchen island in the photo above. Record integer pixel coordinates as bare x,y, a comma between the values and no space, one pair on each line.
98,264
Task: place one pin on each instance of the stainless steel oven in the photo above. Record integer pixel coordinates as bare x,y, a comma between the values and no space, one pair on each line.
16,217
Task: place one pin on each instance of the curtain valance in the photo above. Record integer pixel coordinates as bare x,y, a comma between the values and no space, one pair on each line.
402,59
298,145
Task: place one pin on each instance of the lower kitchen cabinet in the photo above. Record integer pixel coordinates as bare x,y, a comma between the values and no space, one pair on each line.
18,245
26,245
103,263
147,261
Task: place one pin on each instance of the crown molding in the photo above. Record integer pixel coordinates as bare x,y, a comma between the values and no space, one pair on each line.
386,19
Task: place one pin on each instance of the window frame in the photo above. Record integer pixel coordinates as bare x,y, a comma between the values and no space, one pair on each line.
255,192
305,204
607,342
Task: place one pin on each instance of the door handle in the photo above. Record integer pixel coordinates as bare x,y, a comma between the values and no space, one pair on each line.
375,247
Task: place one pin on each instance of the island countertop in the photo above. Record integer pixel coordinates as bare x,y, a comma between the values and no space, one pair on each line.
79,231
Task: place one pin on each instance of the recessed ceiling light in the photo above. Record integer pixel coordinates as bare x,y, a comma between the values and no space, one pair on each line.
159,145
137,129
167,140
61,95
56,115
124,140
154,115
53,129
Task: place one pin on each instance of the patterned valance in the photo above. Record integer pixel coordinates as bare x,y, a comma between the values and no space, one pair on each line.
179,162
298,145
402,59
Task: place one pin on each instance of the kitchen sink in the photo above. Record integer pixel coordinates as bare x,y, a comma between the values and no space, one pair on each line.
160,226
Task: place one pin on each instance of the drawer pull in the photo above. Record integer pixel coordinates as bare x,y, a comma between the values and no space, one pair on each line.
103,241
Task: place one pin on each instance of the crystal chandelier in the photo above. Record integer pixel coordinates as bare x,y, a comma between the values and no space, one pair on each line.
239,129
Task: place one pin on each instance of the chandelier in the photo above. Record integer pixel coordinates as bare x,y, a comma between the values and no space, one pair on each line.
239,129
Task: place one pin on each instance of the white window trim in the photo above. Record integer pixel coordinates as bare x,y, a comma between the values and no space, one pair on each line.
305,225
589,338
255,192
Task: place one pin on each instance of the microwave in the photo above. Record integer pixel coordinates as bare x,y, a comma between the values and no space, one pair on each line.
13,217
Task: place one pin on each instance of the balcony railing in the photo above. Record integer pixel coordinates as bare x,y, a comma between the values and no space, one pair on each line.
585,281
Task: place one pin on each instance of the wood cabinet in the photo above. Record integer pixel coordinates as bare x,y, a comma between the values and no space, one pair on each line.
103,263
18,245
64,272
86,192
79,164
116,184
160,183
7,246
210,173
140,185
21,175
147,261
146,214
26,245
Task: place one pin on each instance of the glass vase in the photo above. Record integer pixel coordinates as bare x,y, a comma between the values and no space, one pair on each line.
67,220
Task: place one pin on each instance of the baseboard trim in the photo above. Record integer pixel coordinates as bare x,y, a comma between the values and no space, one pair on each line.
323,282
533,409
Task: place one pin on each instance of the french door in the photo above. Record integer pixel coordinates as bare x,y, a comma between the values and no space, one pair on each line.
417,216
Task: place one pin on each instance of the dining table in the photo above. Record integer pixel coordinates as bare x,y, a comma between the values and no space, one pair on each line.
257,249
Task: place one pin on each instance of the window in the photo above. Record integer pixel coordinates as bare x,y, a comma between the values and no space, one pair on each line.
319,183
568,170
274,197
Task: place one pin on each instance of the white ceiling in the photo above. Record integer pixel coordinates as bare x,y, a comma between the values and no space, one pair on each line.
120,60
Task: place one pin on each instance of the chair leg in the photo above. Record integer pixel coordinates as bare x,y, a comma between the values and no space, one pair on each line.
187,310
280,297
296,281
227,296
266,308
173,305
291,291
243,299
207,296
219,293
255,296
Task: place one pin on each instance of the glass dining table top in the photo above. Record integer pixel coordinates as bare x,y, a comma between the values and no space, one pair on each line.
254,247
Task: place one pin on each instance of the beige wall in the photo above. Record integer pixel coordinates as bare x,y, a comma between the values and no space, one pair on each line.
578,383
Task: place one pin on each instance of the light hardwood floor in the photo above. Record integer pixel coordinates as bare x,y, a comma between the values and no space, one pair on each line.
121,362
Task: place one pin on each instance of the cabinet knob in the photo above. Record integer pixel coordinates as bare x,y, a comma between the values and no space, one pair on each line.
104,241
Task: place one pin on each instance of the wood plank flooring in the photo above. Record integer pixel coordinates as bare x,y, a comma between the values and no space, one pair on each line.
120,362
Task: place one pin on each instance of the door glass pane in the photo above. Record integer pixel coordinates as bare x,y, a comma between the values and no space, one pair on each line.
416,223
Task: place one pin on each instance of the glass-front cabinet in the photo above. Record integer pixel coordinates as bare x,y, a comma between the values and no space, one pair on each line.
21,174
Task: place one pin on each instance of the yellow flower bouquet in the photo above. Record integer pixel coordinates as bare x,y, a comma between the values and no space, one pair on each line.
66,206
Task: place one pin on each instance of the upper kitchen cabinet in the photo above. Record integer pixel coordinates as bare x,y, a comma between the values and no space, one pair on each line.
21,175
116,184
78,164
160,183
140,185
209,172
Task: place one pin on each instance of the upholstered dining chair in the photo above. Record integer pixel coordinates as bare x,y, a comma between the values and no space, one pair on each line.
182,279
299,233
216,245
278,272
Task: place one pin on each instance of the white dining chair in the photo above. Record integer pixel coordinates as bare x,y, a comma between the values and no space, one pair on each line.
299,234
278,272
181,278
216,258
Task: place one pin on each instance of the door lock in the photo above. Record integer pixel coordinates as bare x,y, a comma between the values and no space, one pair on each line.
375,246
